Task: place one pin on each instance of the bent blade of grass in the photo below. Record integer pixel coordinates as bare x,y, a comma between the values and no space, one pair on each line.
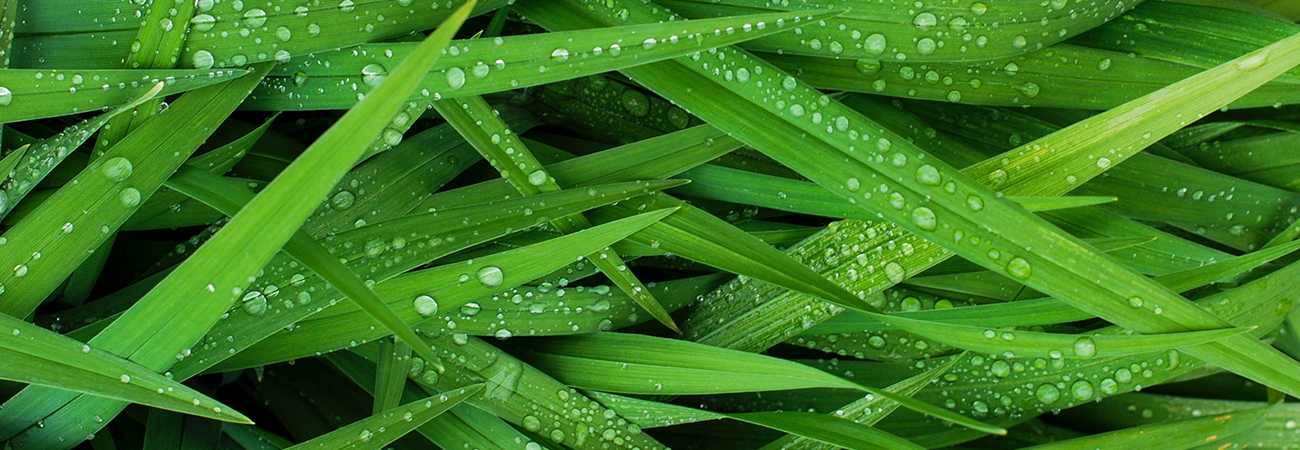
390,425
518,61
176,313
338,327
229,198
1219,431
390,375
940,201
657,366
105,193
481,126
830,430
54,94
40,357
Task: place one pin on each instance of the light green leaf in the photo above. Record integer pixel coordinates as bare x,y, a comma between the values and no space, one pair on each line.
379,430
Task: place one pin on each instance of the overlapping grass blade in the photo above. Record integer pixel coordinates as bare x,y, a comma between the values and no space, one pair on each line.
177,312
517,62
1222,431
381,429
668,366
38,356
37,94
479,124
339,327
390,375
827,429
105,194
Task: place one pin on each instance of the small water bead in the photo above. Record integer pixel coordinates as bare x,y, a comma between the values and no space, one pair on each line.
490,276
924,218
373,74
425,306
852,184
125,378
875,43
560,55
868,66
283,34
925,46
1103,163
925,21
1108,386
531,423
1018,268
346,6
1047,393
537,178
928,174
1135,302
342,200
1031,89
479,70
975,203
788,83
254,303
313,29
1123,376
836,48
455,78
66,228
557,435
503,334
470,309
1081,390
20,270
430,377
978,8
954,96
742,75
635,103
255,17
796,110
649,43
895,272
203,22
116,168
1103,64
1019,42
365,436
1085,347
129,197
1000,368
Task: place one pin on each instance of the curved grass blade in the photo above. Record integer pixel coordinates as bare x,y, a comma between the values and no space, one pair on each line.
1222,431
391,425
177,312
518,61
827,429
390,375
447,287
104,195
479,124
38,356
37,94
656,366
965,205
901,30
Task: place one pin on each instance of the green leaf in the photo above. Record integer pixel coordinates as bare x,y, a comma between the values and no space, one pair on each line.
1216,431
518,61
38,356
37,94
379,430
666,366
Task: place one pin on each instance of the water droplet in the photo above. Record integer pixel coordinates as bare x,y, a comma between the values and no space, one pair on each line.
1018,268
116,168
202,59
1019,42
1047,393
125,378
531,423
1084,347
1135,302
1082,390
788,83
537,178
925,46
373,74
283,34
455,78
20,270
255,17
924,218
925,21
895,272
346,6
342,200
1031,89
130,197
560,55
470,309
203,22
254,303
635,103
868,66
875,43
978,8
852,184
66,228
425,306
490,276
1103,64
1103,163
975,203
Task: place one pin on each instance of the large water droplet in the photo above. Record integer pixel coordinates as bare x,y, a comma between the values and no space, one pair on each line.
130,197
455,78
875,43
895,272
924,218
373,74
1084,347
490,276
255,17
560,55
202,59
254,303
1018,268
116,168
342,200
1047,393
925,21
425,306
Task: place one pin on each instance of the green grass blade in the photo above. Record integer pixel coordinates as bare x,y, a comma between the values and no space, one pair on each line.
518,62
479,124
1219,432
38,356
163,324
105,194
381,429
37,94
668,366
338,327
390,375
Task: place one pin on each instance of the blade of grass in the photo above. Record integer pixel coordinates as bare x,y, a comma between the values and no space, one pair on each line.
391,425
